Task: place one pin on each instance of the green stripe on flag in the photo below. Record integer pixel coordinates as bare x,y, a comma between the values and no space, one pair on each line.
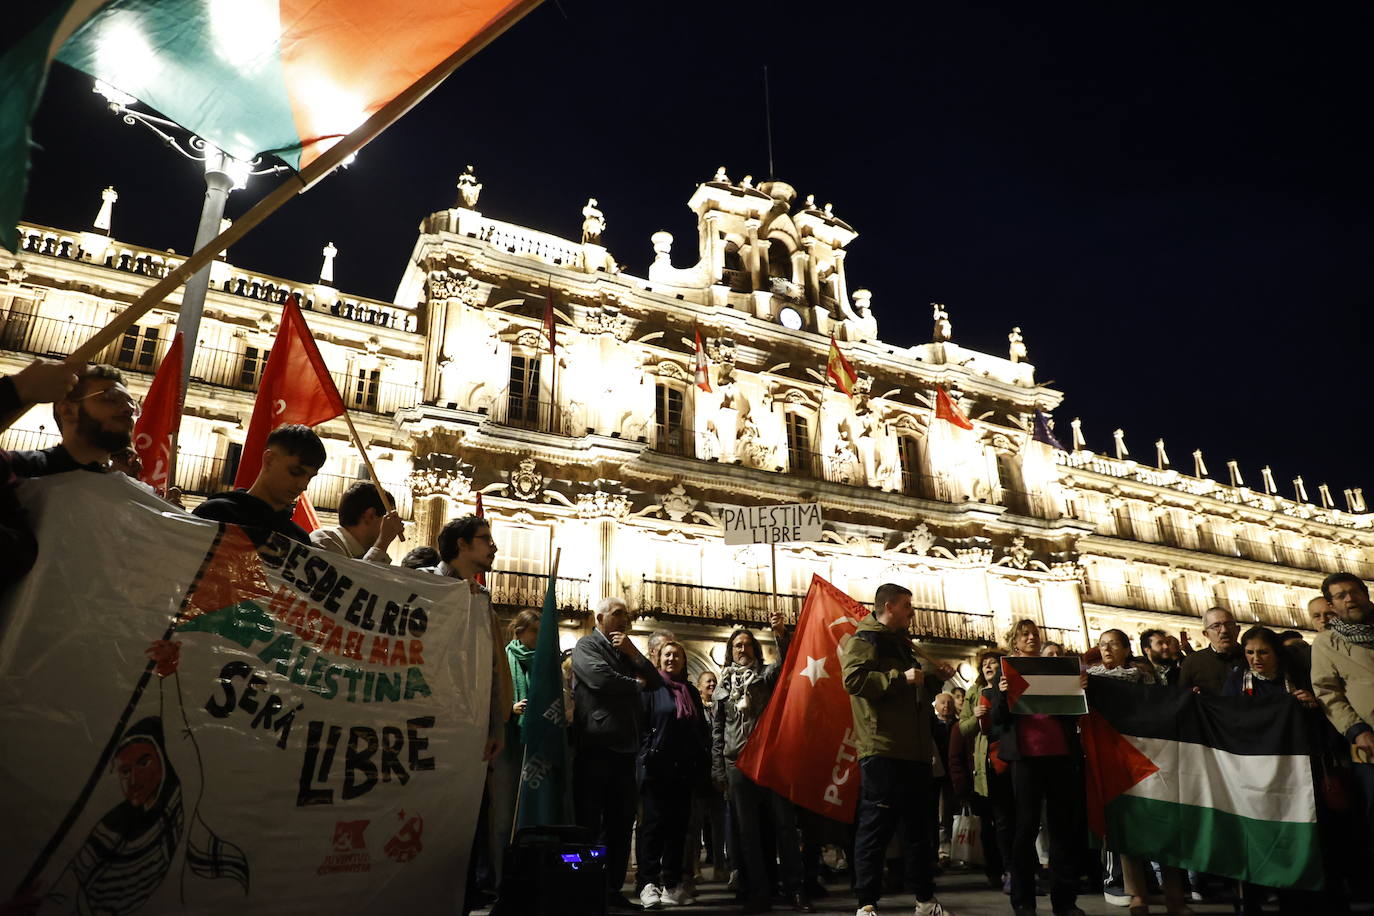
1050,704
1271,853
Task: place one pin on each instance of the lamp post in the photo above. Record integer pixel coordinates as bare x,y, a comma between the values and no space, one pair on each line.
223,173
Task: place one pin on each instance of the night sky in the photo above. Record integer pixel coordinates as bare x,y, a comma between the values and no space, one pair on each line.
1171,200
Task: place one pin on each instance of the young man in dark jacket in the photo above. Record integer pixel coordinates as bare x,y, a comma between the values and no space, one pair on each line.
891,693
292,458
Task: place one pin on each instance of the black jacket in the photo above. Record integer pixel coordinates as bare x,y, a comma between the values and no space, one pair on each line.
1208,670
55,459
674,749
260,520
606,708
1002,728
18,549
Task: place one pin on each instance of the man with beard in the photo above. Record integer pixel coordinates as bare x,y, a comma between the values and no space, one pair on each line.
1343,674
95,418
1155,647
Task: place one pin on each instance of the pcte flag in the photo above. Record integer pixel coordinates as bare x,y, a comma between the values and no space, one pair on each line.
209,728
156,429
1221,785
296,387
803,746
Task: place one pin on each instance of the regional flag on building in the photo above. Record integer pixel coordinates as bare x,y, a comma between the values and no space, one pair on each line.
1221,785
1043,686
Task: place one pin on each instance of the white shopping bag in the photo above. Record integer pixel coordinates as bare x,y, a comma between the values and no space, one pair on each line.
967,846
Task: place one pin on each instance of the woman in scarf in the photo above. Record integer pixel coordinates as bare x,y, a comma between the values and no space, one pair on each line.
985,783
504,780
672,763
1116,662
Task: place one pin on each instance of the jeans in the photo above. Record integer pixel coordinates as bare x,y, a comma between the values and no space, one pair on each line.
667,807
1057,784
893,791
949,806
753,805
604,800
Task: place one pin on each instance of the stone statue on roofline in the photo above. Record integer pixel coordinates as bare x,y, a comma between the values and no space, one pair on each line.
593,223
469,189
943,329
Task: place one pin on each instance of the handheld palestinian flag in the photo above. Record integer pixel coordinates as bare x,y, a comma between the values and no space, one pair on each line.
1221,785
1043,686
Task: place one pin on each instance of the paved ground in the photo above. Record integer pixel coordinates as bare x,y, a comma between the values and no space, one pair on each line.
963,894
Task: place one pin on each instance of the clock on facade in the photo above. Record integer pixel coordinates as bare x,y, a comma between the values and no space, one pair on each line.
790,318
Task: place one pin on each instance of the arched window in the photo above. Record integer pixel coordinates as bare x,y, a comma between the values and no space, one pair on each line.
733,261
909,459
671,432
779,260
801,455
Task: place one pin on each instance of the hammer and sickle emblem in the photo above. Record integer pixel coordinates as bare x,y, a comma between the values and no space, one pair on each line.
280,408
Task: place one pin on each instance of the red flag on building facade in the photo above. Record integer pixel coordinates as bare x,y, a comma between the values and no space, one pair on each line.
296,387
156,429
946,409
839,369
803,746
703,367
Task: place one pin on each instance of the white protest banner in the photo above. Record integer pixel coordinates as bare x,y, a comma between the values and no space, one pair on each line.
771,524
195,725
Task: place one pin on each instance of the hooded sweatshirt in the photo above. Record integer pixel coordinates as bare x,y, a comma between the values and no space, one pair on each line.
239,507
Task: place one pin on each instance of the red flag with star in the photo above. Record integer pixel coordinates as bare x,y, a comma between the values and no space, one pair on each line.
296,388
803,747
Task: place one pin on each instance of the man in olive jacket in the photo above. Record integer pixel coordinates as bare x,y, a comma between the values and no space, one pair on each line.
1343,675
891,698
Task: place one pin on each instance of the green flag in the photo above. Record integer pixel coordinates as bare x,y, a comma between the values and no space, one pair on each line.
545,776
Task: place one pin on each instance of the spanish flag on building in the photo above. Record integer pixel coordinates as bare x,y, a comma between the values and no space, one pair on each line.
839,369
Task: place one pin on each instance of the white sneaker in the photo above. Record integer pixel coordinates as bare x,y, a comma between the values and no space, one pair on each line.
868,910
650,898
930,908
672,896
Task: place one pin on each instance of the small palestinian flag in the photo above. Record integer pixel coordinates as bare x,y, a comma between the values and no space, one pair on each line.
1047,686
1221,785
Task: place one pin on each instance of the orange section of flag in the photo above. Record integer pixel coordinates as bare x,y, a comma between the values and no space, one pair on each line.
296,387
839,369
946,409
157,425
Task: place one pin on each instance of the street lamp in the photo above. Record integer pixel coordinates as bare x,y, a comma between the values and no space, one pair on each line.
223,173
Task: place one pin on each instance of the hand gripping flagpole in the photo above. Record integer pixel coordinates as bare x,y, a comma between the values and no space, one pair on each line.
308,177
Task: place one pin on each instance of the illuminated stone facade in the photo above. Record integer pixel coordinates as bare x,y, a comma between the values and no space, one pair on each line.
606,448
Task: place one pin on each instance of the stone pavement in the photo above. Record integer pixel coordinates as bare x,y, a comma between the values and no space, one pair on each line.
962,893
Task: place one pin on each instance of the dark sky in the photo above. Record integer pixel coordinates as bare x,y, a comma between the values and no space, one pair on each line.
1171,200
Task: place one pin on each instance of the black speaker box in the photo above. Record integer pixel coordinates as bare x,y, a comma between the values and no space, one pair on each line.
553,871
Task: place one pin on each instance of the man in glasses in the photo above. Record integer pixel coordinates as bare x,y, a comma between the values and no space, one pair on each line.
96,418
1206,669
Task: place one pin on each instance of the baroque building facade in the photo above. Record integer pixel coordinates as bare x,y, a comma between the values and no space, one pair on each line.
602,446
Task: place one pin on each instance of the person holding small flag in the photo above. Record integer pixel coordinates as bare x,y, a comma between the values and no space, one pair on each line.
1046,773
890,694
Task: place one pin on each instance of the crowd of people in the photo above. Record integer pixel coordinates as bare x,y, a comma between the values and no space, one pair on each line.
655,752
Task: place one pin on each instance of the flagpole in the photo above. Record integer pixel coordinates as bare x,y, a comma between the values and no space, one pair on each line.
773,553
525,750
371,471
329,160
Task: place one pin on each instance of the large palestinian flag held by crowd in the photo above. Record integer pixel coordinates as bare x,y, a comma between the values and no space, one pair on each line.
1221,785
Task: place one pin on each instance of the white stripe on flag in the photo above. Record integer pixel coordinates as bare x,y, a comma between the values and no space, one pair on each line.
1267,788
1053,685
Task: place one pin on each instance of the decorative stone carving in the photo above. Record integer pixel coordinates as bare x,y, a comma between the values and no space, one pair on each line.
530,339
863,385
608,320
1017,347
676,503
525,482
1018,553
452,284
669,369
749,444
593,223
603,503
784,288
843,459
440,482
469,189
266,323
944,331
919,540
721,176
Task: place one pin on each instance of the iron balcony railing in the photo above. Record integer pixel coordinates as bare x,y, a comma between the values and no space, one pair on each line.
722,605
534,413
526,590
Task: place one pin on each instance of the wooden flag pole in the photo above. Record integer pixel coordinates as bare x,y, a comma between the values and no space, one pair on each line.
371,471
329,160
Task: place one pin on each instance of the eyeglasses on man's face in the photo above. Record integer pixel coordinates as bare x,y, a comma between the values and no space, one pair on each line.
114,397
1221,625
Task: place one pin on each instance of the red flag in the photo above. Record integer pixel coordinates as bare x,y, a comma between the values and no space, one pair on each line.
161,418
296,388
703,367
946,409
548,322
304,514
803,746
481,513
839,369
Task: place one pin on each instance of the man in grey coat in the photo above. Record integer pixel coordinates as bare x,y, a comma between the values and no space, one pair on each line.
609,672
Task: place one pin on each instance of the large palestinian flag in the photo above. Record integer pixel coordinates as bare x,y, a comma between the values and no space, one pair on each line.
1221,785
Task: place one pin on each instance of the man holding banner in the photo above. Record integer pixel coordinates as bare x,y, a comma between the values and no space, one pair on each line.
891,697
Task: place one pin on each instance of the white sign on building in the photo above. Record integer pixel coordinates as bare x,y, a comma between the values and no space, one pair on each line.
771,524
